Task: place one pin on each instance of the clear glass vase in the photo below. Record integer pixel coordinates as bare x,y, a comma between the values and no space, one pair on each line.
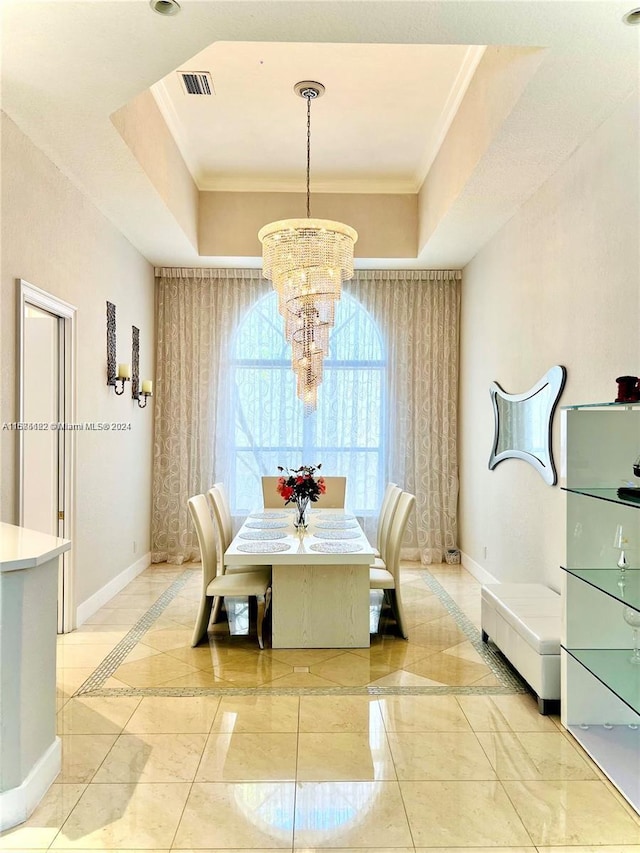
300,521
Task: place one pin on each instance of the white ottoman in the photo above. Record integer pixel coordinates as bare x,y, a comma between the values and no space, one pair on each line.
524,621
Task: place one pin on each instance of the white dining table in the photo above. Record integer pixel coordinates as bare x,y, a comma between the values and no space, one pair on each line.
320,598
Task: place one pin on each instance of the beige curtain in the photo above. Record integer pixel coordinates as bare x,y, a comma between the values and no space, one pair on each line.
418,312
197,313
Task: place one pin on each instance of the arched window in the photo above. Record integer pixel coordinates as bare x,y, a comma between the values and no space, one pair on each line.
345,433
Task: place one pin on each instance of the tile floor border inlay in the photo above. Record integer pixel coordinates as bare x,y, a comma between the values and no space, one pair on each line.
510,681
115,657
487,651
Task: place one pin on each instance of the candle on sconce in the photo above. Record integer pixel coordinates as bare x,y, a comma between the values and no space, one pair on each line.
147,387
124,371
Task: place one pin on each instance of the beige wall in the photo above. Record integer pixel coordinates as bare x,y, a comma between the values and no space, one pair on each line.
54,238
144,130
387,224
559,284
501,75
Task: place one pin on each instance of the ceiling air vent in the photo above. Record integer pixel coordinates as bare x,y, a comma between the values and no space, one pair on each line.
196,82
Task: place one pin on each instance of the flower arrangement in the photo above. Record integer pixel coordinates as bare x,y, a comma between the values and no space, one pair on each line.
299,486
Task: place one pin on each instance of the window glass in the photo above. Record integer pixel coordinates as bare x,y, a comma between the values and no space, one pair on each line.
345,433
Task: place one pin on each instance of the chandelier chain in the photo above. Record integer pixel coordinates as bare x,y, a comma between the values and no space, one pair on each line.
308,155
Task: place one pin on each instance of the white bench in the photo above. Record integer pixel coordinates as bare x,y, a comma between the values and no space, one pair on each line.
523,620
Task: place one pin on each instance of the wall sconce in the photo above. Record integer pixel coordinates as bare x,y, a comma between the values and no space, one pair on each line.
123,373
146,390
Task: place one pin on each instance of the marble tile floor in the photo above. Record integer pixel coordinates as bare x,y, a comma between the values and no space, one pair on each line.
444,650
304,773
392,773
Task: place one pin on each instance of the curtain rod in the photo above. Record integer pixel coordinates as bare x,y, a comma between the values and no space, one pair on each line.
255,274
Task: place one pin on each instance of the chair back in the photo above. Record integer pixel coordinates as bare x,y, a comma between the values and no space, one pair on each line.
384,507
387,521
270,496
199,509
333,498
219,504
406,503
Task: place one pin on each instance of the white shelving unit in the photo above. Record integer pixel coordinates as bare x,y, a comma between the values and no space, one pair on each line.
600,684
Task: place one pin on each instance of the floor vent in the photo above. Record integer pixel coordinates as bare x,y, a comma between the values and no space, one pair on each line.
196,82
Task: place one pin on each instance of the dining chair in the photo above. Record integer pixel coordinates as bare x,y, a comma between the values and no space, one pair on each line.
270,496
214,585
386,520
384,506
388,579
219,504
333,498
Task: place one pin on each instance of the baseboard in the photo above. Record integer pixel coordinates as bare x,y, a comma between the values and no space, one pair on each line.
478,571
107,592
16,804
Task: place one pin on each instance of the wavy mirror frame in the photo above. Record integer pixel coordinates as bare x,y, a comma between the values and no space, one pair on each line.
521,418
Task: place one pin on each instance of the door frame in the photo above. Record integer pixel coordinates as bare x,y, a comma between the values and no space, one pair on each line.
29,294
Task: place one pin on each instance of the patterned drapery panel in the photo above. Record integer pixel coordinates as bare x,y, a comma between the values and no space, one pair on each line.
418,313
198,311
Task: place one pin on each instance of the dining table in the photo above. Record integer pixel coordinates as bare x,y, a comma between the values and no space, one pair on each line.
320,576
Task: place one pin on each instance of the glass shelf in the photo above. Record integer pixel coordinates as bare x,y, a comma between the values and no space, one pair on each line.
612,668
610,495
610,405
609,581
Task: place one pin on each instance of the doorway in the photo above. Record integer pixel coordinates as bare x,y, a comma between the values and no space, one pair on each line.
46,442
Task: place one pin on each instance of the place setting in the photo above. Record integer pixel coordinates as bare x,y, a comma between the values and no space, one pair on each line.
339,534
263,547
261,534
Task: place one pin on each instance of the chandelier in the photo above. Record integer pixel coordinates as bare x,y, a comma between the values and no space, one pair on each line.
307,260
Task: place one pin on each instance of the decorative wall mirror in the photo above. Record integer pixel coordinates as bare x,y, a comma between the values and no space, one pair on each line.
523,423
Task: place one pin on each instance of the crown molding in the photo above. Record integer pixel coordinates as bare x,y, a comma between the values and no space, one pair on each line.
360,186
174,125
464,76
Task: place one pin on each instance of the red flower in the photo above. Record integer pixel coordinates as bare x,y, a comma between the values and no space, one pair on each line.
300,484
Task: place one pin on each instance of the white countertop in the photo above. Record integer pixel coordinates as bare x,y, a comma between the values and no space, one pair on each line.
21,548
299,550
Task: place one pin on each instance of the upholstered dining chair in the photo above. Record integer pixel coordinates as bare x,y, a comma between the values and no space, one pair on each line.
333,498
384,506
384,526
214,585
388,579
270,497
219,505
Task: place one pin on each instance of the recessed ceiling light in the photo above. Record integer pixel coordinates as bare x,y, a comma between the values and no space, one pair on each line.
632,18
165,7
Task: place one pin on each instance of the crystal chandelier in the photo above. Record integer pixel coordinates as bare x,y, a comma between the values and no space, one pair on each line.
307,260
